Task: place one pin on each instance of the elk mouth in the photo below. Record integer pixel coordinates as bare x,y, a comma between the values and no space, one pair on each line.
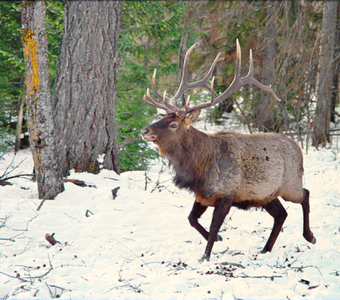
149,138
146,136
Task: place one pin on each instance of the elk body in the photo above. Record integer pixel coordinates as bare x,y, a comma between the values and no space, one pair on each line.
228,169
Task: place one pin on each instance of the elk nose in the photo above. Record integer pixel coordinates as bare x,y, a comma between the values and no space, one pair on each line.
145,131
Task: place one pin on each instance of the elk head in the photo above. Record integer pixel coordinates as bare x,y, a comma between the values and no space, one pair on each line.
166,132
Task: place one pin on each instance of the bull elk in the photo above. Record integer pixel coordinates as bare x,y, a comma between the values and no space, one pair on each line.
228,169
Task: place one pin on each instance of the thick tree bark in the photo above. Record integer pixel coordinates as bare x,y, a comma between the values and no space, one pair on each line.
264,110
322,113
38,100
84,91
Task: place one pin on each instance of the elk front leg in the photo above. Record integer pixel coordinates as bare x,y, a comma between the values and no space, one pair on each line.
278,212
197,211
222,208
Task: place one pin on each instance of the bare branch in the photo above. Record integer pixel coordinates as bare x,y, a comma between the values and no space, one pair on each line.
129,140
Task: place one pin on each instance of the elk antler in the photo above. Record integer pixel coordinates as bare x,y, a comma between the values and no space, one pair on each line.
185,85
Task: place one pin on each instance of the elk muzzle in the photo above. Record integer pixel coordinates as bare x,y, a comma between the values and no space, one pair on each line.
147,134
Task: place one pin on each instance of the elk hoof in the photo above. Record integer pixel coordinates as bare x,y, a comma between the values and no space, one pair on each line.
310,238
203,258
264,250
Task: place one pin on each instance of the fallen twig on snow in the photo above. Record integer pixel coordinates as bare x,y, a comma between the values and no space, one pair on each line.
4,181
56,295
230,264
132,252
49,289
260,276
3,220
4,177
127,283
26,229
17,277
30,278
40,205
7,239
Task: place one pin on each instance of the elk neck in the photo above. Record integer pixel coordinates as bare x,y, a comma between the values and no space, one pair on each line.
192,159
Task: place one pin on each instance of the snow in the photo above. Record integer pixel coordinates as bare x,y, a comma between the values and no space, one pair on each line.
140,245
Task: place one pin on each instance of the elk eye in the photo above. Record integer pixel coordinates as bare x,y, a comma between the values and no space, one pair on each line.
173,125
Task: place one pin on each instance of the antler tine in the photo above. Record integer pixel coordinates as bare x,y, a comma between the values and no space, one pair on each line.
154,103
148,103
168,105
252,80
184,82
212,90
251,64
187,103
230,89
185,85
238,60
158,95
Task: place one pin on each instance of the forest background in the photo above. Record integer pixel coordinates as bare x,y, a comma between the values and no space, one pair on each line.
295,44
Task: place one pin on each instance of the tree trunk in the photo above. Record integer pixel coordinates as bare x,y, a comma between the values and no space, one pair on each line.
322,113
264,110
84,91
335,85
38,100
20,120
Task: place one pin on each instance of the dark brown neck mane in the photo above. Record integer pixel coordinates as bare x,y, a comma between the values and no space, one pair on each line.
192,160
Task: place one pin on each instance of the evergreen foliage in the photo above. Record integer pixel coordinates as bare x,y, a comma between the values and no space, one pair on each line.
11,69
151,33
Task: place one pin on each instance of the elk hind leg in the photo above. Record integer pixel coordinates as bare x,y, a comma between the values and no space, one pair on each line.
196,212
307,233
278,212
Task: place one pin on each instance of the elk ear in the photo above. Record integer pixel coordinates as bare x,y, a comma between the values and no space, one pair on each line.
192,117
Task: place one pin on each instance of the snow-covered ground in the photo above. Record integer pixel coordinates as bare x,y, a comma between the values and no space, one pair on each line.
140,245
